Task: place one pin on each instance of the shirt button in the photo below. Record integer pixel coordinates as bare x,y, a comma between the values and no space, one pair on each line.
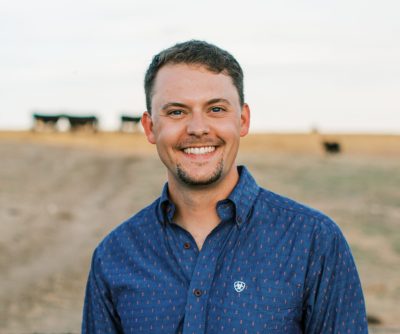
197,292
186,245
239,220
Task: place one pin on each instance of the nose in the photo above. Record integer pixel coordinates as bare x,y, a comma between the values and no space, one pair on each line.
198,125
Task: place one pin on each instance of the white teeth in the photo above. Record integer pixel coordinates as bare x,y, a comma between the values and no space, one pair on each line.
199,150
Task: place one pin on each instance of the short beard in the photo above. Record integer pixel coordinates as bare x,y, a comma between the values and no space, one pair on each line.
185,178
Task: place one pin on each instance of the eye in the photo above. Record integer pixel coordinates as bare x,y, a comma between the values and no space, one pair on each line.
175,112
216,109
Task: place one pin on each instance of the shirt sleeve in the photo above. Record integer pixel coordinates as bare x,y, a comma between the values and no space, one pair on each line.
334,300
99,315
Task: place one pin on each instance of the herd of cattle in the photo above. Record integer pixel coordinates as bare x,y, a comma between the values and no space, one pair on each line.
64,122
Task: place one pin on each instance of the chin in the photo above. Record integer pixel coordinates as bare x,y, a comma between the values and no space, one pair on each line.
194,180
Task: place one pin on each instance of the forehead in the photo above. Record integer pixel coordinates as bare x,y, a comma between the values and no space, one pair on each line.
176,82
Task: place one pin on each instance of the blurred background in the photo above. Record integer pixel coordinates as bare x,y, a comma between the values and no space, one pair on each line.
322,80
332,65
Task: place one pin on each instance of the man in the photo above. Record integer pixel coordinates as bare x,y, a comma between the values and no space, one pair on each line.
216,253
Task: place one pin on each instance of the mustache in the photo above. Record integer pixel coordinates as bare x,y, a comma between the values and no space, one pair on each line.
193,142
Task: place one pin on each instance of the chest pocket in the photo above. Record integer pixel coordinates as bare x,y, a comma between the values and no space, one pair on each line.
254,305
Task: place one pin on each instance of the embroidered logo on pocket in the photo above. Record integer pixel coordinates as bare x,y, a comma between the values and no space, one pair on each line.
239,286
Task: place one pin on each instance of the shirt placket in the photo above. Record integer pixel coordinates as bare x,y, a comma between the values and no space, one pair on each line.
184,249
200,284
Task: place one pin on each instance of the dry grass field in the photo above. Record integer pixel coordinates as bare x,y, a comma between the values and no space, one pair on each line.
61,193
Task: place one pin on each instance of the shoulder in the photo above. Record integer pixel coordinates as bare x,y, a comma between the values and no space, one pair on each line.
300,218
313,235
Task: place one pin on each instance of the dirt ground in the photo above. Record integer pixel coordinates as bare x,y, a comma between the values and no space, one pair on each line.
60,194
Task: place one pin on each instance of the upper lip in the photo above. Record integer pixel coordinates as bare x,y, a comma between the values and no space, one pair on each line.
197,146
185,145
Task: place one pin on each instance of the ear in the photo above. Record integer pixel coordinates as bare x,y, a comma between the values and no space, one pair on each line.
147,124
244,120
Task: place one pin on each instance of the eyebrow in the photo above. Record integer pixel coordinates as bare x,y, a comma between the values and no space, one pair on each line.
173,104
182,105
218,100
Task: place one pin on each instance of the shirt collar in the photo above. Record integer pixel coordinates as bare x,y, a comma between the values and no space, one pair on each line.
243,196
165,208
238,206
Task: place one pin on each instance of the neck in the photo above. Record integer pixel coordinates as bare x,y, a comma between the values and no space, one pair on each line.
196,205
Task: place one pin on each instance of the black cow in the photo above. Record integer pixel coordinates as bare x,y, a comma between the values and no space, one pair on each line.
130,123
332,147
44,122
83,123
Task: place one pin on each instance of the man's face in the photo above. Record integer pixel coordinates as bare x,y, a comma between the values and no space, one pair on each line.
196,123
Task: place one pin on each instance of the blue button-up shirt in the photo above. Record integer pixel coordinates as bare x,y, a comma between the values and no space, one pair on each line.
270,266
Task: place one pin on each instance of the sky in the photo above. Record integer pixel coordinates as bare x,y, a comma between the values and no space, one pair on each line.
329,65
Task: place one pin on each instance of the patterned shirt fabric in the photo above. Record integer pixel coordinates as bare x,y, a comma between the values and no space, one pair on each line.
271,266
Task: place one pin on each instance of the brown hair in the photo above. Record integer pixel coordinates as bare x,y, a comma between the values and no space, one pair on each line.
195,52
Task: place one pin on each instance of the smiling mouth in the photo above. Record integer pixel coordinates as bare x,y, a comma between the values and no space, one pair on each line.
199,150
